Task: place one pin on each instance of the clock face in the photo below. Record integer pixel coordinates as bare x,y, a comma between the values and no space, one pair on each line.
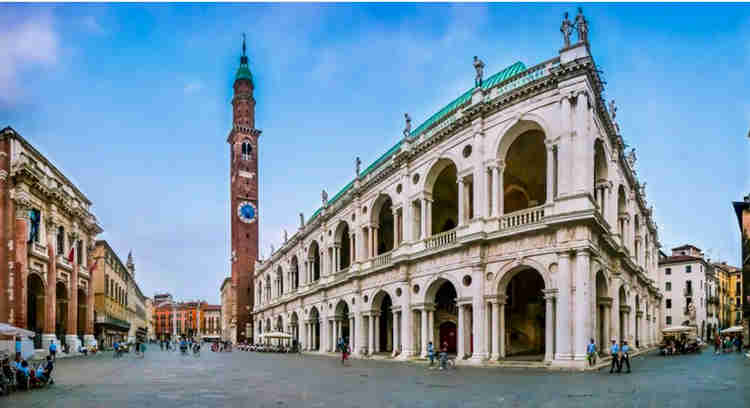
246,211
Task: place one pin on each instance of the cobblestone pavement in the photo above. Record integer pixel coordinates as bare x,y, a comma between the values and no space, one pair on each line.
238,379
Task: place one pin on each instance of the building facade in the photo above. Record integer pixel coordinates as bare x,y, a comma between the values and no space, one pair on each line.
731,294
49,230
228,329
742,210
511,223
211,323
113,296
688,286
188,319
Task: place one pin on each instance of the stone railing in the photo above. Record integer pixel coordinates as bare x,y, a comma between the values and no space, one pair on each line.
382,259
39,248
520,218
440,240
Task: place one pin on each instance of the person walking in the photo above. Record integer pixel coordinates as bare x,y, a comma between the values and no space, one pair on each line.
344,352
717,345
591,353
615,351
443,355
625,356
431,353
53,350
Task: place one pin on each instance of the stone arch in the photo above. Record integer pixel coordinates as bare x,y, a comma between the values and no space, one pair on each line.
523,152
294,266
294,322
61,310
603,304
441,185
517,126
35,302
434,284
381,216
624,312
341,317
279,323
313,256
313,343
509,270
280,279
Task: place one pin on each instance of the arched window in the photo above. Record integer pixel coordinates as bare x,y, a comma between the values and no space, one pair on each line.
61,240
247,149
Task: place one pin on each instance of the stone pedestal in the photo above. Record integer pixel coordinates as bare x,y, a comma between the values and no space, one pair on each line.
47,339
88,340
73,343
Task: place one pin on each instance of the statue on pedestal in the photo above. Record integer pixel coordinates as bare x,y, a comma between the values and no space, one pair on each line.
479,68
582,27
631,158
301,220
324,197
612,109
566,29
358,164
407,128
285,235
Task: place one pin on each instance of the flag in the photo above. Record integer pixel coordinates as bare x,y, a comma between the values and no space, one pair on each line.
93,267
70,254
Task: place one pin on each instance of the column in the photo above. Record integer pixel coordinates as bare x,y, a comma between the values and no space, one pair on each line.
607,328
424,332
478,350
362,330
460,335
501,330
550,172
549,328
428,220
72,339
90,297
371,335
21,264
337,256
496,333
431,326
563,330
501,188
582,325
51,295
395,332
461,199
495,190
352,336
408,221
407,334
376,337
396,226
352,252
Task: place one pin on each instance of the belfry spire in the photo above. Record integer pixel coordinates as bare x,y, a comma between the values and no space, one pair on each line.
243,72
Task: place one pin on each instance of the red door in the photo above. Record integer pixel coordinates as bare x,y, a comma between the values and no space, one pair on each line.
448,335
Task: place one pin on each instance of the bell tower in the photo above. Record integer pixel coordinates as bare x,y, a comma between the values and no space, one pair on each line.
243,198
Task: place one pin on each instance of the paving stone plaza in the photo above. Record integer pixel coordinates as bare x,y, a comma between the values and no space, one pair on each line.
238,379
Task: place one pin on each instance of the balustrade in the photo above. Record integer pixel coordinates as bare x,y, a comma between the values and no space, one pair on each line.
440,240
382,259
520,218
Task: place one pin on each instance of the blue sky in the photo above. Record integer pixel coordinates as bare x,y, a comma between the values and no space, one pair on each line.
132,102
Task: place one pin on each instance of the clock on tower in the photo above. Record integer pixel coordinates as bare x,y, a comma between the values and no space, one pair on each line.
243,198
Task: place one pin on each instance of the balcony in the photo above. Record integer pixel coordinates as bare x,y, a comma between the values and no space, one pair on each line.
688,292
521,218
385,259
440,240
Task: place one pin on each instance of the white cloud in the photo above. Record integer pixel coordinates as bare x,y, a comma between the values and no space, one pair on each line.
31,43
193,86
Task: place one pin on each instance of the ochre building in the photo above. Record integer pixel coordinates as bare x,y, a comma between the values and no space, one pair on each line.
47,231
511,224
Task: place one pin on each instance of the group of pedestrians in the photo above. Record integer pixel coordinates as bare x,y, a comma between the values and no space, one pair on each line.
727,344
620,356
443,354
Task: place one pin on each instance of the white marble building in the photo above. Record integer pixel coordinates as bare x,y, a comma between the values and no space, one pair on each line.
686,278
510,225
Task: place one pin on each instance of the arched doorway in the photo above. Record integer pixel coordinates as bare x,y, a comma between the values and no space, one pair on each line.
444,197
525,175
525,315
622,213
314,329
623,301
82,313
295,272
637,320
314,258
343,245
295,326
341,318
61,311
382,303
446,317
35,303
601,175
382,213
602,308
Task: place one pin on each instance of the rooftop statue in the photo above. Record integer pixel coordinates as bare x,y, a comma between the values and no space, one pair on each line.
479,67
407,128
643,190
582,27
301,220
358,164
566,29
286,237
631,158
612,109
324,197
272,249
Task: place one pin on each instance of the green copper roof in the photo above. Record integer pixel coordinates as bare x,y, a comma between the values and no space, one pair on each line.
495,79
243,72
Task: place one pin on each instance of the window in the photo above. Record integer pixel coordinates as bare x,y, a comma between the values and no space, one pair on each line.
737,288
668,271
61,240
79,252
669,320
34,219
669,303
106,285
668,286
737,300
247,149
688,268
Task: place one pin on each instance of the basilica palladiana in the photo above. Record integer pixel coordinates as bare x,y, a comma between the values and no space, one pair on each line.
511,225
